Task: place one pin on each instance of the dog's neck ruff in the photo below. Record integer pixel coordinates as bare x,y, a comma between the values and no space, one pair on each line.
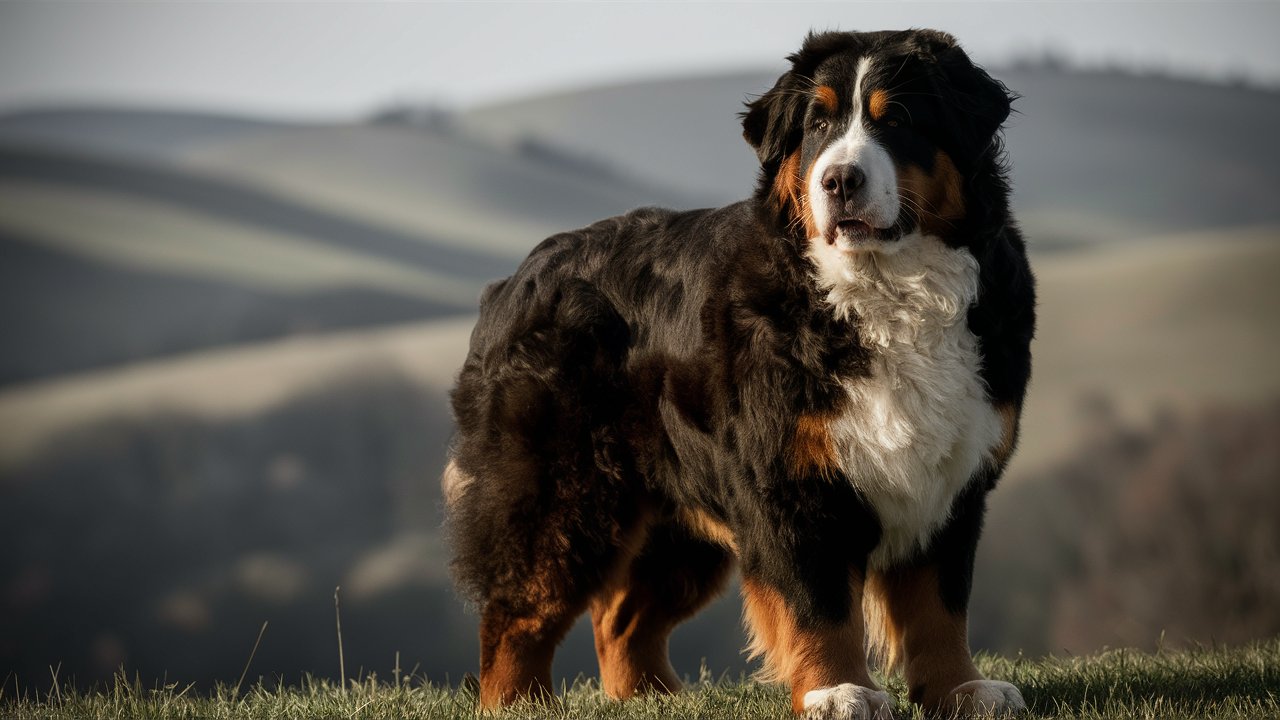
919,426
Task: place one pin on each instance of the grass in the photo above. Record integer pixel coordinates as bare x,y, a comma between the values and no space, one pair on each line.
1203,683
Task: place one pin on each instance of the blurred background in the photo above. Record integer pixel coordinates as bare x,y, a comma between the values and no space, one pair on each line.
241,246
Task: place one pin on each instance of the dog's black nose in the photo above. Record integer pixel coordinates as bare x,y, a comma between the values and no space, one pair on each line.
842,181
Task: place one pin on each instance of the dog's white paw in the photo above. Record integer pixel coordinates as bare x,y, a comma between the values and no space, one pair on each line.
987,698
848,702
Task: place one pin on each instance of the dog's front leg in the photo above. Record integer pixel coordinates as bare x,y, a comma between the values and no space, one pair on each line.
930,640
820,654
924,606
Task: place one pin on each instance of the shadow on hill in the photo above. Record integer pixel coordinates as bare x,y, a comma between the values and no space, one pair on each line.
119,132
1165,533
164,542
251,207
63,313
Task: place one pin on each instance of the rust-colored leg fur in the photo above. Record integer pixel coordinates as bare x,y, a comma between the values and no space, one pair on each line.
631,642
516,652
669,580
929,641
806,656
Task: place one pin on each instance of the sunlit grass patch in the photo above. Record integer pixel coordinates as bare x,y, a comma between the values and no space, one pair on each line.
1210,682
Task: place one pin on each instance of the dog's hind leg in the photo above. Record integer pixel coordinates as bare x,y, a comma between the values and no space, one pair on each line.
672,577
543,497
542,583
516,649
533,559
542,570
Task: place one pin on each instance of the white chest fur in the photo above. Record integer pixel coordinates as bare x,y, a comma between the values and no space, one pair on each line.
919,426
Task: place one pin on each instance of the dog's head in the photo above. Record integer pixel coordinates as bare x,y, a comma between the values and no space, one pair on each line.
871,137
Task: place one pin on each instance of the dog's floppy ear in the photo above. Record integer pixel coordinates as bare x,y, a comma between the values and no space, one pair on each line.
774,123
977,103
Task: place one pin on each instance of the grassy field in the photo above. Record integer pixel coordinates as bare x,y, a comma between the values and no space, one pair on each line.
1205,683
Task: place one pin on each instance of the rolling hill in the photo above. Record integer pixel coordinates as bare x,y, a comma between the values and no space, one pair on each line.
175,233
364,224
428,181
157,309
228,343
271,473
1097,157
134,133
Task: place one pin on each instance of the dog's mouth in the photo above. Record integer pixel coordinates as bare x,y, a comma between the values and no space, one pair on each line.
851,232
853,228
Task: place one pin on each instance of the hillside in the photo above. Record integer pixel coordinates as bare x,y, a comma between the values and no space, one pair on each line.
475,195
139,313
122,133
1096,157
230,384
1104,316
323,452
243,230
228,346
1159,534
126,241
681,132
1170,323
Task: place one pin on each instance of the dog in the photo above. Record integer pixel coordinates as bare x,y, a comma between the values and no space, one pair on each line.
820,385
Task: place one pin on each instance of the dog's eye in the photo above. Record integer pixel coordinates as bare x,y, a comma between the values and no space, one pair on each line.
893,122
822,125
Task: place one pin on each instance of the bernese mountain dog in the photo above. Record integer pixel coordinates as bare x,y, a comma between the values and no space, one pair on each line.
819,385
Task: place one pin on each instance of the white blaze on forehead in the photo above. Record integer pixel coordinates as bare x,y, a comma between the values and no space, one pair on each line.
857,147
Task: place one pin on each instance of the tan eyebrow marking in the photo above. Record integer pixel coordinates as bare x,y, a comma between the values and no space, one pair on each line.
826,95
878,103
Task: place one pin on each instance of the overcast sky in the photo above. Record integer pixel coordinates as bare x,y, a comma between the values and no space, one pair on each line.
343,59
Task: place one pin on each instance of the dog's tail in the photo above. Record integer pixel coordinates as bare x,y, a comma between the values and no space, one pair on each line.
453,483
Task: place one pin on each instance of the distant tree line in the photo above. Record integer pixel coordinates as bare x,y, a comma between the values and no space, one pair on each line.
1163,535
